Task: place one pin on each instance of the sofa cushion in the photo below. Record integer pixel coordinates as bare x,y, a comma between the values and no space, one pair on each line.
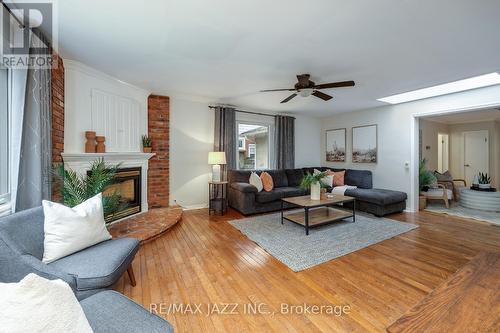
238,176
23,232
290,191
267,181
109,311
279,177
265,197
256,181
358,178
294,176
68,230
244,187
89,268
377,196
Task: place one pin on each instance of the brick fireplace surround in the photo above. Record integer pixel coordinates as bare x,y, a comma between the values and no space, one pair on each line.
158,130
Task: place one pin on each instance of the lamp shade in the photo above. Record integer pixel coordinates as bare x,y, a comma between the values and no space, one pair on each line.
216,157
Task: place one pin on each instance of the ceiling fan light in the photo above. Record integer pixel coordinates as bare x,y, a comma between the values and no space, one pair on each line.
305,92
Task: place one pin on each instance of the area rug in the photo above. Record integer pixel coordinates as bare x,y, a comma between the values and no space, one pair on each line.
468,213
289,244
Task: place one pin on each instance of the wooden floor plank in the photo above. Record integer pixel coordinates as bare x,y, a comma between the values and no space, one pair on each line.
204,260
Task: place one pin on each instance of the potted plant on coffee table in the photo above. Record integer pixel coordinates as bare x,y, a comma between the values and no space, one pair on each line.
147,144
484,181
313,182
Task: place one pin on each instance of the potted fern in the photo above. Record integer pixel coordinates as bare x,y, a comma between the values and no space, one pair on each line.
425,178
76,188
484,181
313,182
147,144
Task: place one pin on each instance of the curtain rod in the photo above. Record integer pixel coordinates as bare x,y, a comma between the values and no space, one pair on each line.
21,24
250,112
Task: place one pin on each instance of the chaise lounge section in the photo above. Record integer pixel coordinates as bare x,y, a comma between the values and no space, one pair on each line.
247,200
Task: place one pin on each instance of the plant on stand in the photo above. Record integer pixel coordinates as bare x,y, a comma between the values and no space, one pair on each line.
314,183
425,179
147,144
484,181
76,188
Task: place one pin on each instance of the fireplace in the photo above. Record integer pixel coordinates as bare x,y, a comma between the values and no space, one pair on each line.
128,185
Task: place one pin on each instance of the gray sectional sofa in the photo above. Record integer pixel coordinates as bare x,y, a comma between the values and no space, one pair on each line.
247,200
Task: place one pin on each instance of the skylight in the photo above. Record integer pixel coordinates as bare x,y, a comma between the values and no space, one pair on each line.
444,89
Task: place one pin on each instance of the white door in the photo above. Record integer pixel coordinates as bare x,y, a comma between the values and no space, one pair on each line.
443,152
476,154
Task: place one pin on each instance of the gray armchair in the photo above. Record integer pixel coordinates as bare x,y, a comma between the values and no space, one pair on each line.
88,271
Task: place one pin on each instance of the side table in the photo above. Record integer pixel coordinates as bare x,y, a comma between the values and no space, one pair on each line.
217,197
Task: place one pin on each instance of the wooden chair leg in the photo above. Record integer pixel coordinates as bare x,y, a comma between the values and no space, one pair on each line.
446,201
131,276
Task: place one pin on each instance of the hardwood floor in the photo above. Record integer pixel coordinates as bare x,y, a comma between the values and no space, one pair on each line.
471,295
206,261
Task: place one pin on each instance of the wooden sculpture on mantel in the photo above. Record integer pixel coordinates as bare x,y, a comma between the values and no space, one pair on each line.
101,147
90,146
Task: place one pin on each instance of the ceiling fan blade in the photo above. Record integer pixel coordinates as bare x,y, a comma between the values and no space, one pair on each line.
288,98
335,85
268,90
321,95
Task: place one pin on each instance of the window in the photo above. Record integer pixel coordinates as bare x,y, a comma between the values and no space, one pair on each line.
241,144
4,144
253,146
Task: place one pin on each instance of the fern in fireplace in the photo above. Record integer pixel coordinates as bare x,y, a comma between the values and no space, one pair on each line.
76,188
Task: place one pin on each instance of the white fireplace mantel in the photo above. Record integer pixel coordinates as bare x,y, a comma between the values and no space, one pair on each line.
80,163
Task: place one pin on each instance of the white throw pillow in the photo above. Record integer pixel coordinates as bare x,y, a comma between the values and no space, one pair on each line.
39,305
69,230
256,181
327,180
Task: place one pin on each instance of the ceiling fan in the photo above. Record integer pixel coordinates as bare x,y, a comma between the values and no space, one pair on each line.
305,88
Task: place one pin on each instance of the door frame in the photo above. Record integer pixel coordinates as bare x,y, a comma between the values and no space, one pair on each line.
414,144
440,149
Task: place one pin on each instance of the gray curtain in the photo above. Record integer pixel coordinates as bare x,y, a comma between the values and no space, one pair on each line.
285,142
225,135
36,154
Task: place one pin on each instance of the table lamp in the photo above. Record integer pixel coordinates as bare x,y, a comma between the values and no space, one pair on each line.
216,158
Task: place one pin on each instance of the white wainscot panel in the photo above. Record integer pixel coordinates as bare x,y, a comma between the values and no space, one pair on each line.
119,119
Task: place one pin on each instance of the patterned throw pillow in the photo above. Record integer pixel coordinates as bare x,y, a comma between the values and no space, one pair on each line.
267,181
256,181
338,178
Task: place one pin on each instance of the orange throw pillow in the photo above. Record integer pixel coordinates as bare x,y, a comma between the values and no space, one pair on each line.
338,178
267,181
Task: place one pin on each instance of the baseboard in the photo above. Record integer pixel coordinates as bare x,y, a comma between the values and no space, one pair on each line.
193,207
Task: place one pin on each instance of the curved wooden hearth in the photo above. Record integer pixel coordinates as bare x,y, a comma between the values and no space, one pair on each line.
147,226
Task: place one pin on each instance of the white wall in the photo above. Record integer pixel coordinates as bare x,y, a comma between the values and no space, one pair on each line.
307,141
430,131
79,83
191,138
398,135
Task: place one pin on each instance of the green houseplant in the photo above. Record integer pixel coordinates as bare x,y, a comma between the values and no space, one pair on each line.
76,188
425,177
147,144
313,182
484,180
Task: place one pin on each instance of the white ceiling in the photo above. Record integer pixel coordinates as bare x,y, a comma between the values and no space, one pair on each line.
227,50
468,117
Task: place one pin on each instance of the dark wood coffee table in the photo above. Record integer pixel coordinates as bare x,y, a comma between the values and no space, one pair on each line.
318,212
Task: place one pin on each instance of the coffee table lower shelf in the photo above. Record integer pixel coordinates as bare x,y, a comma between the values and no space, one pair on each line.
314,217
